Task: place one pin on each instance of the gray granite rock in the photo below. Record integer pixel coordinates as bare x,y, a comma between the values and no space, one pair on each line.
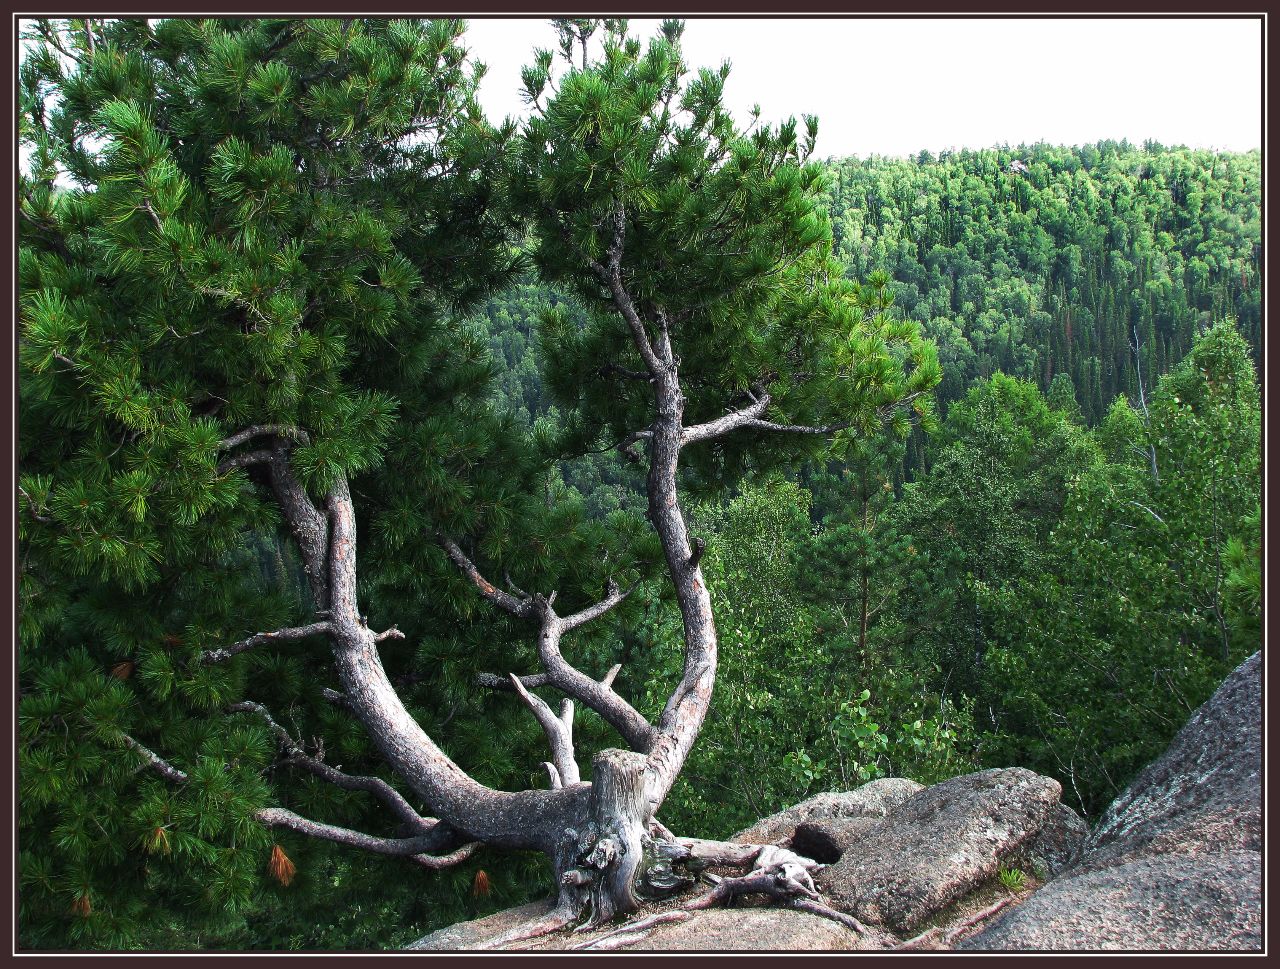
1169,901
468,935
874,800
758,929
1174,862
740,928
938,845
1203,794
1057,845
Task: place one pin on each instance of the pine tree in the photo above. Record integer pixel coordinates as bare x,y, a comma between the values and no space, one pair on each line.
240,242
236,330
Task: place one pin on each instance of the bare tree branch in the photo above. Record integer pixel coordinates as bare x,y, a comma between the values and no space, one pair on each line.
723,425
559,731
264,430
335,698
750,417
553,775
308,524
436,862
374,785
492,681
699,549
280,635
626,446
611,275
31,507
508,603
156,762
607,680
611,599
559,672
396,847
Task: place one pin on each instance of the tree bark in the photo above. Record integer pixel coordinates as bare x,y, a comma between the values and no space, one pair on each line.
682,719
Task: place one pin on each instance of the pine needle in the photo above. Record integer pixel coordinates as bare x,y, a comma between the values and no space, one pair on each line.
280,867
159,841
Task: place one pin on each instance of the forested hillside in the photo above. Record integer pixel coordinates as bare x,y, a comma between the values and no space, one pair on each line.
781,475
1097,263
1041,260
948,571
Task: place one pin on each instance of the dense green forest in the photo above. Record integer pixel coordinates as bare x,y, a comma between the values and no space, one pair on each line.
1028,534
1096,264
1072,255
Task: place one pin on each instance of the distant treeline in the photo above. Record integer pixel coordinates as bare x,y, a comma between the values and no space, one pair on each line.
1044,260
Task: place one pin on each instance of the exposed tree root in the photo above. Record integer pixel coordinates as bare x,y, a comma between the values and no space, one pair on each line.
613,940
734,855
553,921
929,939
940,937
777,873
958,930
884,939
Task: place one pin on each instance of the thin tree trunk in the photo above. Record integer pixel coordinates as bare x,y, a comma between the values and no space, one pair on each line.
864,659
681,720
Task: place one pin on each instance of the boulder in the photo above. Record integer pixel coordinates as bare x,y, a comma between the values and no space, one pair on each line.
1175,861
1057,845
938,845
872,800
468,935
1163,902
1203,794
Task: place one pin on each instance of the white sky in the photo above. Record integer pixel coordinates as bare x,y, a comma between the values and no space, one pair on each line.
893,87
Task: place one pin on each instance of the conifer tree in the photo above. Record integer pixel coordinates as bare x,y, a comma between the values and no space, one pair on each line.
240,244
234,327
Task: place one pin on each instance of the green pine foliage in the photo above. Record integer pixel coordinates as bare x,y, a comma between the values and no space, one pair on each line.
1122,624
225,223
724,229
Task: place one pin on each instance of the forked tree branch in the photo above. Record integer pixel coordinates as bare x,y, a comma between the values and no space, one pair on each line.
419,845
600,697
327,540
559,731
374,785
611,599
